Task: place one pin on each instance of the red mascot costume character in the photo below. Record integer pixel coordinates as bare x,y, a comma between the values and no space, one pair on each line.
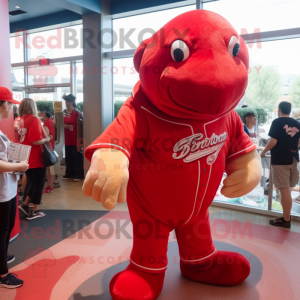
171,142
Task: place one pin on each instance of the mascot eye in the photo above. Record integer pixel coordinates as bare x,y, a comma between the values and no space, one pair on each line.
234,46
179,51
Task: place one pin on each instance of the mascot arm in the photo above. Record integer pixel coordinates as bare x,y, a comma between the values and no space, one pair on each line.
107,178
243,163
244,175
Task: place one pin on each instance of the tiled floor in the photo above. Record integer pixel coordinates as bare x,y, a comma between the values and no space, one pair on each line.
81,265
70,197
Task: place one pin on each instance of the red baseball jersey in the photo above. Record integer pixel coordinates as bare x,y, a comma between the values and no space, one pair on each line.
31,130
176,165
71,135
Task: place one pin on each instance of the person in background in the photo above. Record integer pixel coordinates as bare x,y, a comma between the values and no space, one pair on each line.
245,127
285,139
22,180
250,122
74,158
31,134
246,130
296,115
48,124
16,123
8,193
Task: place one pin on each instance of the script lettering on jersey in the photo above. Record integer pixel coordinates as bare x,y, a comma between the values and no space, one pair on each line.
195,147
291,130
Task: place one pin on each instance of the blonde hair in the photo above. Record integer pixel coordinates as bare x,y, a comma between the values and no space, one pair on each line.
27,107
296,114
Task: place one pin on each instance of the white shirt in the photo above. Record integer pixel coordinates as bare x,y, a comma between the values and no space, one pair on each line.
8,183
251,130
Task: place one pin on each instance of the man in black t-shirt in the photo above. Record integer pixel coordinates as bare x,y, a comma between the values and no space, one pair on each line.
285,134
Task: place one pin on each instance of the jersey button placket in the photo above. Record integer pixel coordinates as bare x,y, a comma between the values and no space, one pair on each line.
203,178
202,186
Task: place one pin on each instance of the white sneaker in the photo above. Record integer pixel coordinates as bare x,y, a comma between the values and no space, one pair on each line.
35,214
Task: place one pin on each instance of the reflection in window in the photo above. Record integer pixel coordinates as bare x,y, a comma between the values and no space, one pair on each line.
79,82
54,96
16,49
124,79
17,76
57,43
264,15
141,27
273,75
45,75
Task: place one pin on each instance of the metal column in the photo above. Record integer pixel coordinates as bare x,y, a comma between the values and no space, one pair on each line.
199,4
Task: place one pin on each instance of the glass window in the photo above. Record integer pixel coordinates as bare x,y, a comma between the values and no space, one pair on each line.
264,15
16,49
57,43
258,198
17,77
143,26
18,95
124,79
18,83
45,75
79,82
273,76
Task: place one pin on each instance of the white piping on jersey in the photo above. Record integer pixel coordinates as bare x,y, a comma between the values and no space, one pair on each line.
211,122
200,258
148,268
198,161
240,151
196,192
168,120
205,189
209,168
112,145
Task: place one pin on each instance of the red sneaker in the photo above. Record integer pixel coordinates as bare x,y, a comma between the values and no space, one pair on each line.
48,190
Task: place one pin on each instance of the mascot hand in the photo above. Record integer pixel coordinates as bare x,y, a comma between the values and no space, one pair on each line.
244,175
107,178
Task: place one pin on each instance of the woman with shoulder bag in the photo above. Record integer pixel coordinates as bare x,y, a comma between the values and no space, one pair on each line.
31,134
49,128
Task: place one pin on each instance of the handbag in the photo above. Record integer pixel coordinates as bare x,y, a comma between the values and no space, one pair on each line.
49,156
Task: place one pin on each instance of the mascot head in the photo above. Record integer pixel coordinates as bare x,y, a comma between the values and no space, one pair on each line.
196,66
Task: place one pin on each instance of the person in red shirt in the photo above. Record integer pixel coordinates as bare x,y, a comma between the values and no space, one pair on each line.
74,158
31,134
17,120
16,123
48,125
8,194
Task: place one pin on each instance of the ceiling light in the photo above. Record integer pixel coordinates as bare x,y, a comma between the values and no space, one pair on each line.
18,7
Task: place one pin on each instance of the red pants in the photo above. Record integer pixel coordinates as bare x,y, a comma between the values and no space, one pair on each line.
150,240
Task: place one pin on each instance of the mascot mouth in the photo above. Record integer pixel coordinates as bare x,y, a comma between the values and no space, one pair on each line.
180,104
